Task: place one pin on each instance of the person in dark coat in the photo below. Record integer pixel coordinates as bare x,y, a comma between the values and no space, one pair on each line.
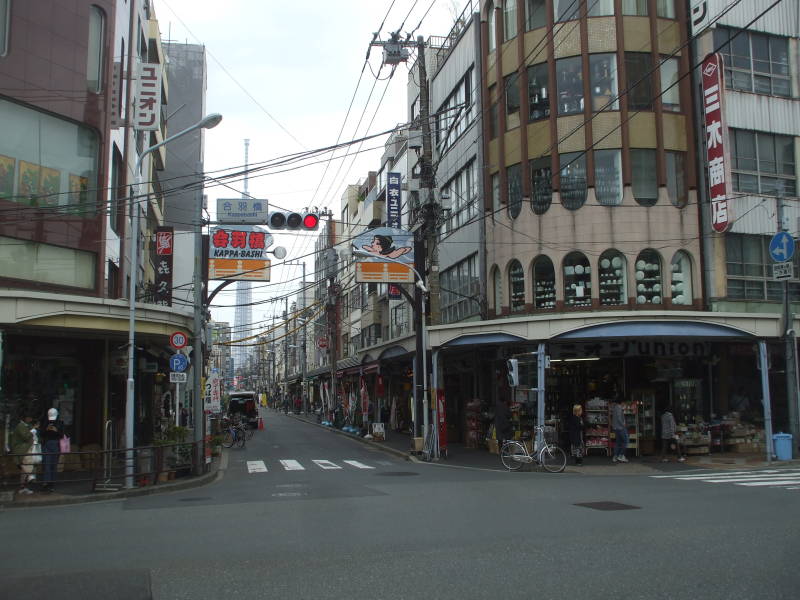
575,429
51,434
502,422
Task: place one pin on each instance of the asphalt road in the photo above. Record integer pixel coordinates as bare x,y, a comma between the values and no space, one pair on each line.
339,529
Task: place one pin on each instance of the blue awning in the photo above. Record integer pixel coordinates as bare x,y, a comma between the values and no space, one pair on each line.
483,339
650,329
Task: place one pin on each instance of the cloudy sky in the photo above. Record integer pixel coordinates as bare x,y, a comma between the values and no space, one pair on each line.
283,75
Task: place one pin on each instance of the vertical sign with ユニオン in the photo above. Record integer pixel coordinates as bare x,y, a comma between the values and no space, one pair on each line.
716,136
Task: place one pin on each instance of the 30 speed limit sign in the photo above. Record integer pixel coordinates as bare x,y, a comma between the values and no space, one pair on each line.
178,340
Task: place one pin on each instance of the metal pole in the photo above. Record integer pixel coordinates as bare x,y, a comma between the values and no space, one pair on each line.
286,353
424,333
177,404
197,366
791,372
765,397
303,344
540,386
133,276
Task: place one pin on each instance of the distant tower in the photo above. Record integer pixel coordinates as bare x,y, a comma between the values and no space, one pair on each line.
243,317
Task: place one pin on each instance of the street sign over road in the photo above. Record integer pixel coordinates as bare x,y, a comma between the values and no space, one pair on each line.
782,270
178,340
177,377
178,362
781,247
242,210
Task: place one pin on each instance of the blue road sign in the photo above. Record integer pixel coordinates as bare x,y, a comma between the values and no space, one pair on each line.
178,363
781,247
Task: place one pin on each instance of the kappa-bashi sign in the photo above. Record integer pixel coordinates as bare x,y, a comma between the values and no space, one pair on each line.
716,137
239,253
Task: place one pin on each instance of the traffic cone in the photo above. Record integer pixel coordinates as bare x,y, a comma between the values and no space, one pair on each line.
261,423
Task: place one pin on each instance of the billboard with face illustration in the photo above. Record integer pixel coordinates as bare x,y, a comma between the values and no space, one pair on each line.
384,255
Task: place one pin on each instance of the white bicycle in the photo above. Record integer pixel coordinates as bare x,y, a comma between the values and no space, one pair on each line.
515,454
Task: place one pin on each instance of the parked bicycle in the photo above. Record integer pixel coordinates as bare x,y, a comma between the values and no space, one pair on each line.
235,434
514,454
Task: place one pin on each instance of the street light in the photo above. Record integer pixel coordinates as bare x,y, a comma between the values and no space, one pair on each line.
423,332
207,122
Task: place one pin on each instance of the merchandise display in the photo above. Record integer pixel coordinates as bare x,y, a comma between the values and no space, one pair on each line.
596,433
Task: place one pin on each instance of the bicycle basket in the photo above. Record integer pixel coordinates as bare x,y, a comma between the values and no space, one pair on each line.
550,435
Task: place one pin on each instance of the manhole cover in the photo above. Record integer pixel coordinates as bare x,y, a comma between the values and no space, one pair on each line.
397,474
607,506
199,498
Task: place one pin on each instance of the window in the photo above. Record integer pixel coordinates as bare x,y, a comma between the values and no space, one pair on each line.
634,7
670,90
640,81
608,177
648,277
643,171
754,62
570,85
577,280
497,291
681,275
514,181
603,81
509,19
566,10
463,193
749,269
511,86
665,9
116,193
490,23
36,261
763,163
494,121
538,94
541,185
458,286
456,114
676,178
535,14
5,22
496,192
544,283
573,179
516,286
612,275
94,57
601,8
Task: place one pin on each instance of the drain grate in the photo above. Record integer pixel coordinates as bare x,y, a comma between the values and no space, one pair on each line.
607,506
396,474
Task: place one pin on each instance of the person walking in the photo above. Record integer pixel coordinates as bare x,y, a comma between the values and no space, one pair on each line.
51,434
620,431
22,439
575,430
669,437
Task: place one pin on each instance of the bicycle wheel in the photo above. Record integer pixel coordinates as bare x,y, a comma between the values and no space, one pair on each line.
241,437
513,454
552,458
250,432
227,438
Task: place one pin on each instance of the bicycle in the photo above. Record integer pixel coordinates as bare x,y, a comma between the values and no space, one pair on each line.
514,454
234,434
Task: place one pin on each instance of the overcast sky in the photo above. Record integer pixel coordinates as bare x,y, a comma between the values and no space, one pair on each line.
300,62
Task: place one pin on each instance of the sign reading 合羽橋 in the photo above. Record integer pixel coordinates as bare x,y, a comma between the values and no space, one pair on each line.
390,256
242,210
239,253
716,137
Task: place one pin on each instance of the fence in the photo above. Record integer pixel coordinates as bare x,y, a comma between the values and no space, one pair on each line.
105,470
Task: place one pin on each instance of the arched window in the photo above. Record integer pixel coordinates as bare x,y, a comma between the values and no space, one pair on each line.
490,21
516,286
544,283
514,181
648,277
94,57
612,275
573,179
497,291
509,19
577,280
681,278
541,184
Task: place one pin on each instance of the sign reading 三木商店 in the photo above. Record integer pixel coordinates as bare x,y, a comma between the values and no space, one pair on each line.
716,135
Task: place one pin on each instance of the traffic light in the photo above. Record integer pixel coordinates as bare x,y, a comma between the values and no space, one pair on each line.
306,221
513,372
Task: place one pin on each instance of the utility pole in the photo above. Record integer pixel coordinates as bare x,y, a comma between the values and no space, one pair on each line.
286,351
303,389
330,266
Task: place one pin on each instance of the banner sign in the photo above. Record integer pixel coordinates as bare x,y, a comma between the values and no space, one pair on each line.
242,210
213,395
393,200
699,17
385,242
716,137
147,114
394,292
165,245
239,253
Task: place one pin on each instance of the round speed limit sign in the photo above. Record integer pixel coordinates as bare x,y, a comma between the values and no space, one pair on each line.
178,340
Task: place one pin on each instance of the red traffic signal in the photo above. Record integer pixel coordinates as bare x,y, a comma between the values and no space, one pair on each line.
293,220
310,221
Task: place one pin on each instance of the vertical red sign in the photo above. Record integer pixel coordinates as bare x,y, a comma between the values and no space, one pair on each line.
716,135
165,244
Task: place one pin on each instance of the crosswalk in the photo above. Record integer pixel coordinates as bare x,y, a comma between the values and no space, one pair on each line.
788,479
287,464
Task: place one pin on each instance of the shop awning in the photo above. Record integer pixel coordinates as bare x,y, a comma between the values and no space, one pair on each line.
483,339
652,329
394,352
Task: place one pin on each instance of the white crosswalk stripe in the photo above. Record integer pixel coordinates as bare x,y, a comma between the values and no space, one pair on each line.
287,464
784,478
292,465
357,465
326,464
256,466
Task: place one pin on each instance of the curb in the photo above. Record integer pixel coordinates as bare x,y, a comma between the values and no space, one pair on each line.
214,475
388,449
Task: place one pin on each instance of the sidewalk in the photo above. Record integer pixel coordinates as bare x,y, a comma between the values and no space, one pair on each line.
458,455
75,493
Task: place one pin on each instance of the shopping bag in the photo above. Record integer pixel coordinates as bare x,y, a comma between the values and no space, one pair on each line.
63,445
34,456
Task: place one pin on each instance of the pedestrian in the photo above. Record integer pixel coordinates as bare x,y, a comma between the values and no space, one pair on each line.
22,440
669,437
502,422
51,449
575,430
620,431
184,416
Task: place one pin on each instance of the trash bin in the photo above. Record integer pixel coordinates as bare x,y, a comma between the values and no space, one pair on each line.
783,445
